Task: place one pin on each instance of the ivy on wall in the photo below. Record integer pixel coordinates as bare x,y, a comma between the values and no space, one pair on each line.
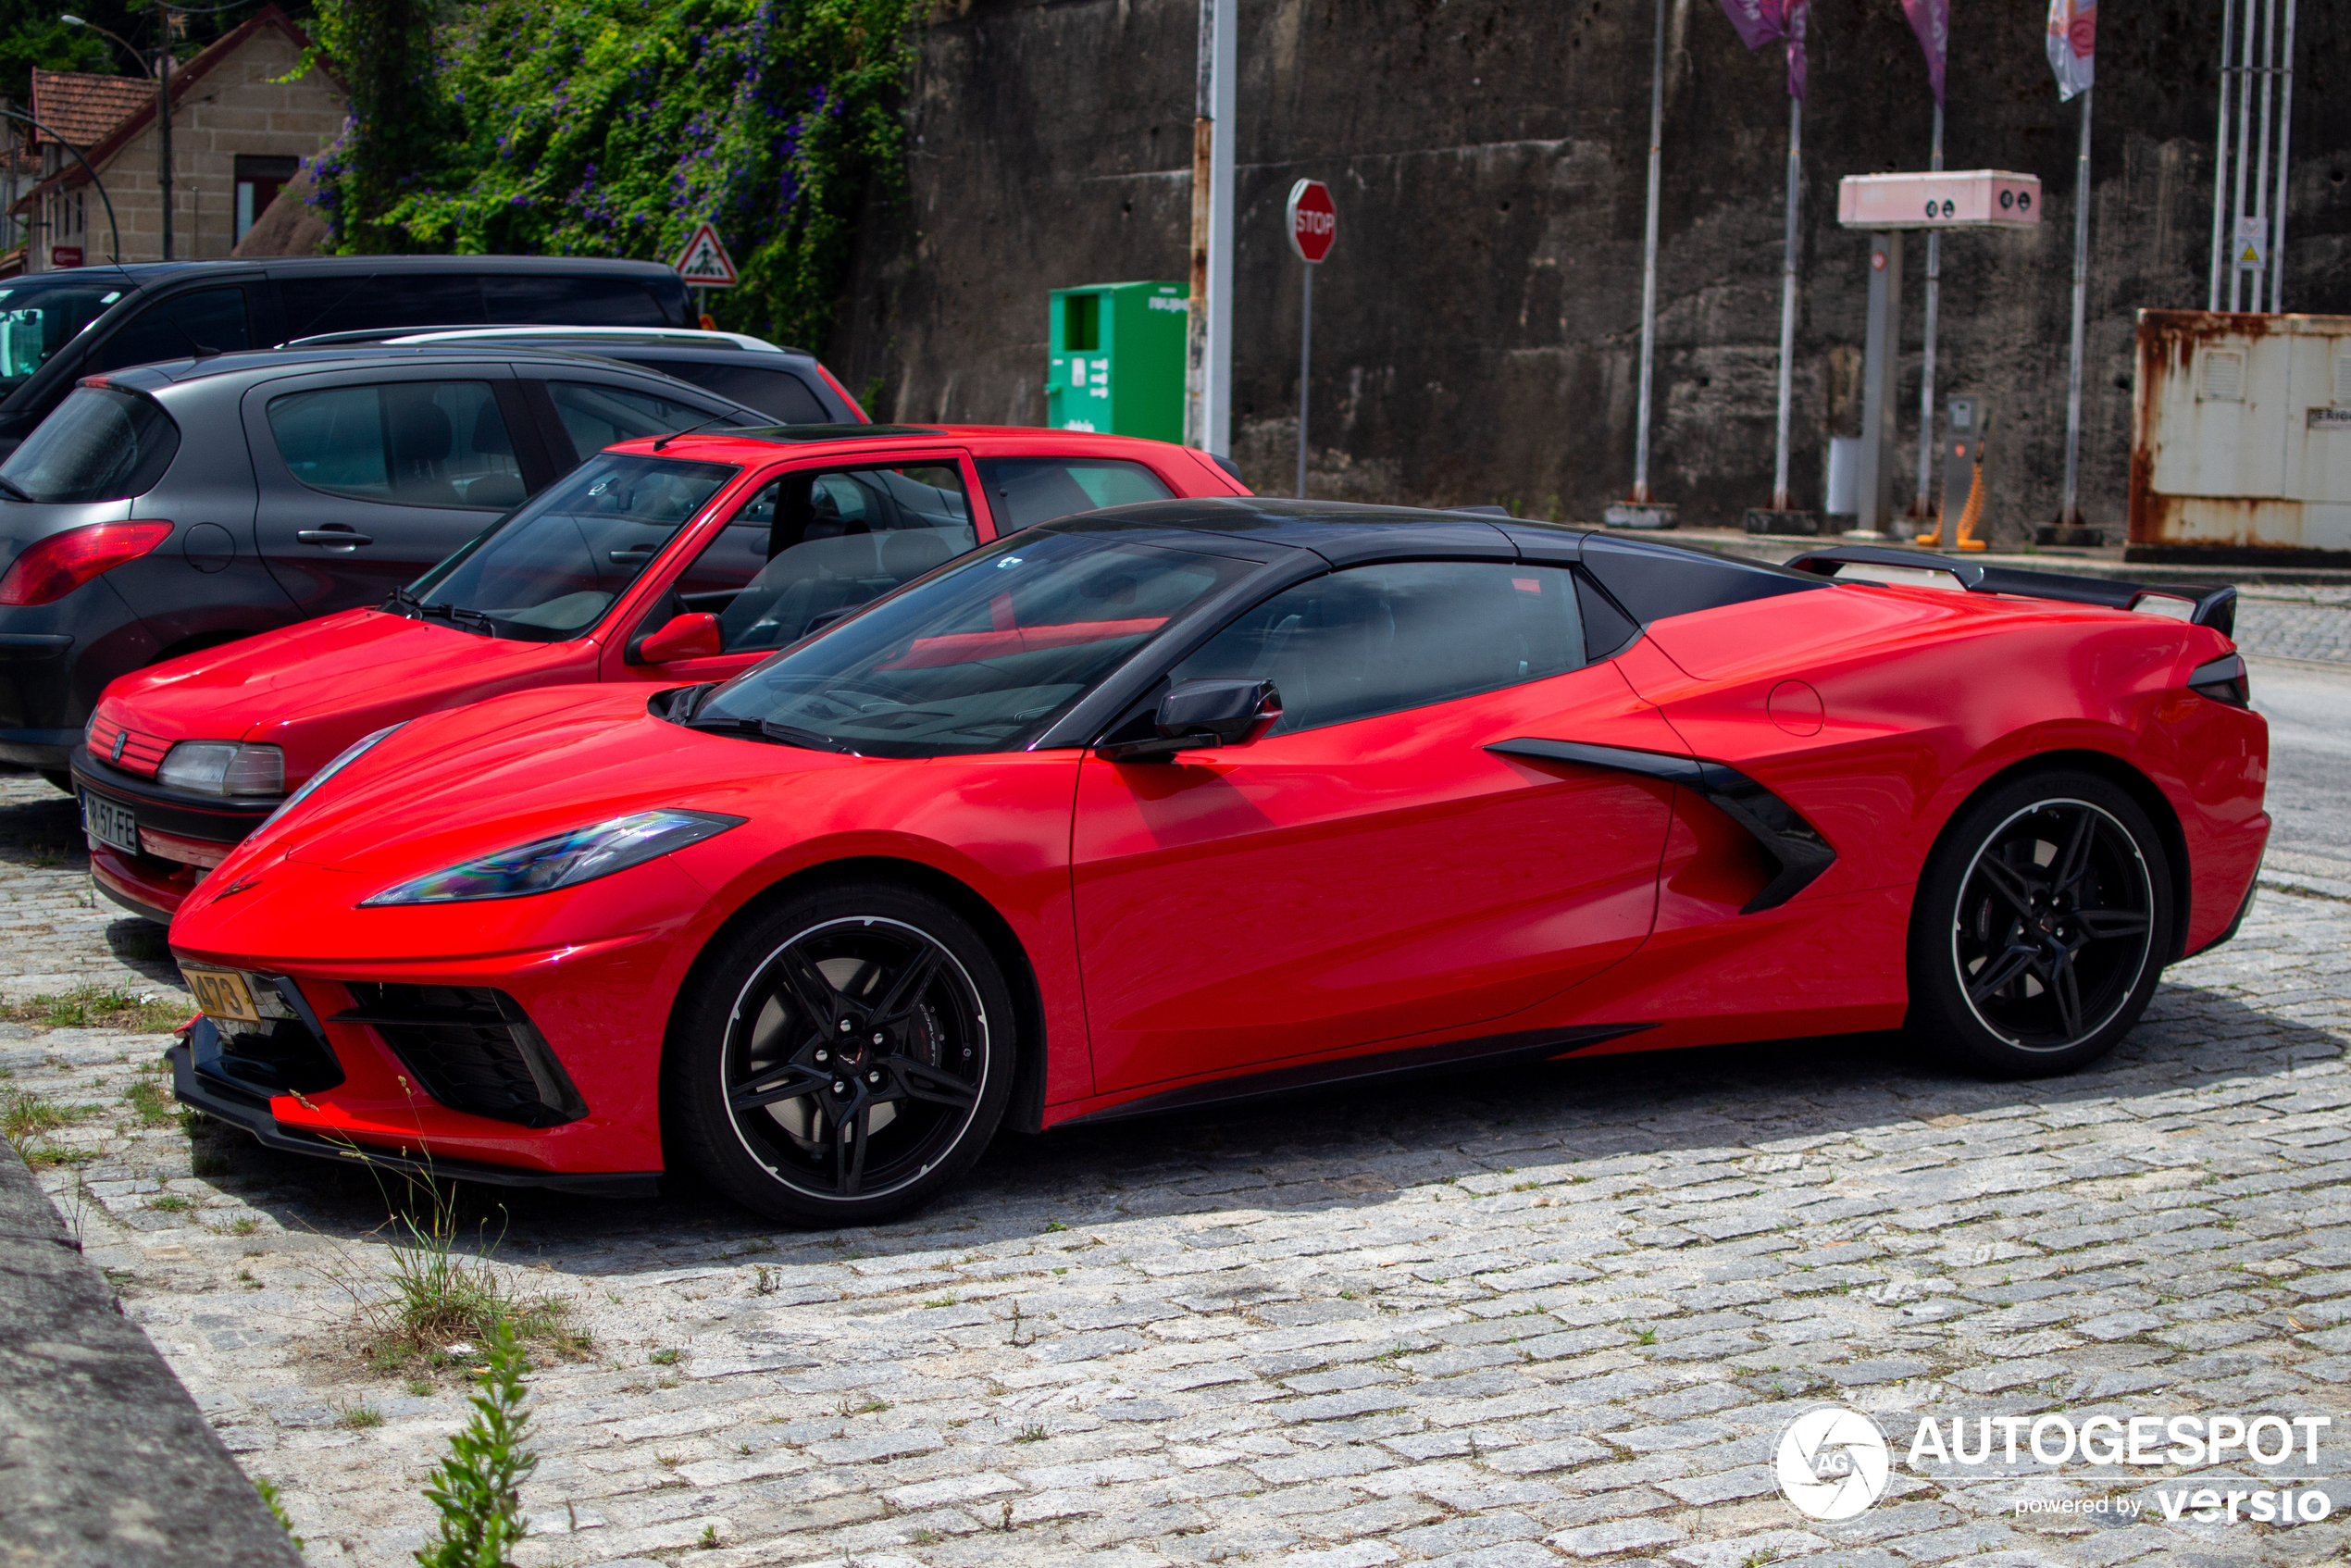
614,127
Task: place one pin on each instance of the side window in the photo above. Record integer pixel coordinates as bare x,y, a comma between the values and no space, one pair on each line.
771,392
209,320
1378,640
595,416
410,443
1024,492
813,546
530,298
337,302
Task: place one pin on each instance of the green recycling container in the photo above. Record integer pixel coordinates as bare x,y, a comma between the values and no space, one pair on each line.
1117,364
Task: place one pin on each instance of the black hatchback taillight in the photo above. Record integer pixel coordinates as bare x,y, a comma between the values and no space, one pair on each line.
2223,681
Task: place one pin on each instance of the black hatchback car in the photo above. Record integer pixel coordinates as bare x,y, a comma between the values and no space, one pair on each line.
58,327
173,506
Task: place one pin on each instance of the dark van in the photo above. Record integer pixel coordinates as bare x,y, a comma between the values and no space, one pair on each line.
58,327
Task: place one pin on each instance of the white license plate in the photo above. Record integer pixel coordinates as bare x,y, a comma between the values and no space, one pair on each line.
222,993
108,823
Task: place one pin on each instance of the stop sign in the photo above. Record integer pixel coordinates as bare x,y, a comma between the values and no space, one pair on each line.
1313,222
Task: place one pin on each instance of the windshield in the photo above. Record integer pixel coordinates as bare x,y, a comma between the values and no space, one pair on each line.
99,445
550,568
39,316
981,656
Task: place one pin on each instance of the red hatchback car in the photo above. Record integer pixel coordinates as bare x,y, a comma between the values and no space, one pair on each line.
1199,799
660,561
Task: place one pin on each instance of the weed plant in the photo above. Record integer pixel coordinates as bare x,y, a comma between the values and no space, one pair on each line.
478,1488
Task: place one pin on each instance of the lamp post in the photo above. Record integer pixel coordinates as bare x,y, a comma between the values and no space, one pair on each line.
161,71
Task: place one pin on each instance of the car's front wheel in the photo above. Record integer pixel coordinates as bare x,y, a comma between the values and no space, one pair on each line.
842,1057
2041,925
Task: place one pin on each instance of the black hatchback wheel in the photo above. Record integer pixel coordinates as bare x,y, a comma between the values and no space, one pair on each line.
843,1058
2041,927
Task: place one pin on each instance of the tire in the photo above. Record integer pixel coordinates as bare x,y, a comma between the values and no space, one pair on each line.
58,778
2040,928
865,1008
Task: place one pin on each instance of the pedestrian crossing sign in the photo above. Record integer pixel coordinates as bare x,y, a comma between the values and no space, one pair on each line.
706,264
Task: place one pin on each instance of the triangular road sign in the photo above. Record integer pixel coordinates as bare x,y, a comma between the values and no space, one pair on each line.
706,264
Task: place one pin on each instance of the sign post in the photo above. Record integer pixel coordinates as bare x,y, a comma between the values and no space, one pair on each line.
1314,225
704,265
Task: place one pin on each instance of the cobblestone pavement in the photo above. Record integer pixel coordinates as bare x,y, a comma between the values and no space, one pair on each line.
2295,623
1503,1321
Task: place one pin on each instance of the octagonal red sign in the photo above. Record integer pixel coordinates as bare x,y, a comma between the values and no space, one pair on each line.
1313,222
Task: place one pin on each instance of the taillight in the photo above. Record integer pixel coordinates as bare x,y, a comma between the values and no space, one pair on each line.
2223,681
50,568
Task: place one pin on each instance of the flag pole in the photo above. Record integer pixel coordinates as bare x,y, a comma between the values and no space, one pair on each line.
1649,261
1923,505
2220,235
1781,500
2285,133
2072,515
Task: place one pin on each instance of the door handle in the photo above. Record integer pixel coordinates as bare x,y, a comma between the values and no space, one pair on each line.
343,537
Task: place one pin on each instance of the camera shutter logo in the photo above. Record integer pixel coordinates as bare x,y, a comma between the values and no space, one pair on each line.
1832,1462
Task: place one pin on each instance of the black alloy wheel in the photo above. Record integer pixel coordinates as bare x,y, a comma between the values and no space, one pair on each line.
2041,927
843,1058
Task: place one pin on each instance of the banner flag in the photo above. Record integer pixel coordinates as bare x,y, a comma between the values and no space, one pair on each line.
1931,19
2073,38
1760,21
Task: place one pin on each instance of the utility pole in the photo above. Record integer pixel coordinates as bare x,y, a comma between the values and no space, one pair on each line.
1208,358
163,116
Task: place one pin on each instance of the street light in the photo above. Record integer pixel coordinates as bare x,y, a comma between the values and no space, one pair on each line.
162,73
78,21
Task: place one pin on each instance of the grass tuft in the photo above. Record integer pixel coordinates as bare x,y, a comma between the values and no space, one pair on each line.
27,1116
104,1007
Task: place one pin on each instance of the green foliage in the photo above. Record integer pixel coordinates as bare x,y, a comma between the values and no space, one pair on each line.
612,128
269,1498
383,50
478,1488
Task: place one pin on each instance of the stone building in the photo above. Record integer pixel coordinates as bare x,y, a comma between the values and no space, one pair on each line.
245,113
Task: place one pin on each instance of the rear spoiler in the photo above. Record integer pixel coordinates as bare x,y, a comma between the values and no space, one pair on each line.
2215,605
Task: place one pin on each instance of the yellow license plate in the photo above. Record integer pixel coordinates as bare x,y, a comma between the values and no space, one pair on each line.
222,993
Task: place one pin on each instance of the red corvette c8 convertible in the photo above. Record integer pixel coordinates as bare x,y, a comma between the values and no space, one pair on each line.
1201,799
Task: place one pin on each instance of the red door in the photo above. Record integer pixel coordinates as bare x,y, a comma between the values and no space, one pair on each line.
1365,881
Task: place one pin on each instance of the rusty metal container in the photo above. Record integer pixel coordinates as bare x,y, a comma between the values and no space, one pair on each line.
2240,439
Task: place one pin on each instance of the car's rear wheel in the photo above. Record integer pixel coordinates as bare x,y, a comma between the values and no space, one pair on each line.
2041,925
842,1058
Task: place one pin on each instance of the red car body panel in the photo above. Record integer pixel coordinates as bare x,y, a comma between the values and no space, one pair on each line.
315,688
1358,889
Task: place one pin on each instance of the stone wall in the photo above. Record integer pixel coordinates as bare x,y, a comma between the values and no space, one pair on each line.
1476,329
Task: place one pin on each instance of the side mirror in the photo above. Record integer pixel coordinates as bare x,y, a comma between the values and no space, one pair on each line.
1196,714
685,637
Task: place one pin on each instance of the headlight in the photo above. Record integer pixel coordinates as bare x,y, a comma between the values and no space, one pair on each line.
565,861
224,768
343,759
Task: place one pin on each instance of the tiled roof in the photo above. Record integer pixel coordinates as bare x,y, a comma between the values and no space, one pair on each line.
83,109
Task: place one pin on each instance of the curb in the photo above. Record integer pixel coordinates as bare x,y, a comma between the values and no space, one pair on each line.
104,1460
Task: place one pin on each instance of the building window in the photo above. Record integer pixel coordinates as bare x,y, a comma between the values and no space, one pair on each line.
258,182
